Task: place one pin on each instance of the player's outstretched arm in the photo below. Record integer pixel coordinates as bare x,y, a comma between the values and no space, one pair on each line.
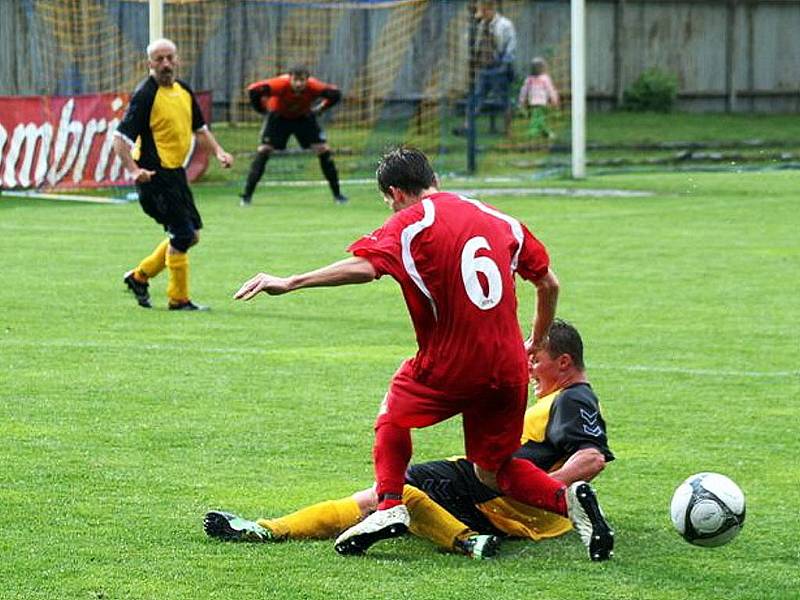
546,300
344,272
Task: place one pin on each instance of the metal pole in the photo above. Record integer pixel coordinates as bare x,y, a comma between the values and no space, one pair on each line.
470,107
156,19
578,66
619,26
730,57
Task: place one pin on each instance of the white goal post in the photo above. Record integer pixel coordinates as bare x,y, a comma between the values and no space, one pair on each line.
156,19
578,85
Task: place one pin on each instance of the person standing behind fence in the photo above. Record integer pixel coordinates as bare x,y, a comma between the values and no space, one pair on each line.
291,103
495,50
160,120
536,96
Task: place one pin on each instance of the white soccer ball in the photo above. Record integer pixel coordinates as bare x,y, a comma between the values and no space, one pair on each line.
708,509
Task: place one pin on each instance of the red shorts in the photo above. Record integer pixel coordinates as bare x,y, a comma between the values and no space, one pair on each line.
492,416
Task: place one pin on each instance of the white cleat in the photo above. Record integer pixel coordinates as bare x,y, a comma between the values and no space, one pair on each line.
480,546
380,525
231,528
589,521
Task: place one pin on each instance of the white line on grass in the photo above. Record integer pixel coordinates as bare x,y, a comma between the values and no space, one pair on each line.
326,351
519,191
698,372
64,197
572,192
120,232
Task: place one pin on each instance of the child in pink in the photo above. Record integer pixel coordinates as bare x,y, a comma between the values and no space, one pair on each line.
537,95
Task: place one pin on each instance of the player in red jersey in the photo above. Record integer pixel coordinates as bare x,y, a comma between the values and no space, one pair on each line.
291,103
455,259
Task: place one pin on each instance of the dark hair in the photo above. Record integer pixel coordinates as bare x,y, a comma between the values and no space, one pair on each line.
300,71
563,338
405,168
538,66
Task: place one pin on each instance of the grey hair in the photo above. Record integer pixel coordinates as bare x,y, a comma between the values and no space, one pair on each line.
160,42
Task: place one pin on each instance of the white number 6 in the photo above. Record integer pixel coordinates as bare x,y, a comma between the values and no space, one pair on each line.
471,265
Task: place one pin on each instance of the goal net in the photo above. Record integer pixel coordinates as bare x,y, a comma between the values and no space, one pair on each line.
405,68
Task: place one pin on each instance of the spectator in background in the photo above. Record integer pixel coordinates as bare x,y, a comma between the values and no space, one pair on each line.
291,103
537,95
493,59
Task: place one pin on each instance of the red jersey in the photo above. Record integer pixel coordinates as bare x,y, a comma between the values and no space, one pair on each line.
455,260
276,95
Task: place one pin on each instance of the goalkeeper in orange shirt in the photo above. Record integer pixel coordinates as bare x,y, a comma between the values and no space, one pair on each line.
564,434
291,104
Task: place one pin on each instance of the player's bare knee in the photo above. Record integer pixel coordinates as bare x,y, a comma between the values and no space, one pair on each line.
367,501
321,149
265,149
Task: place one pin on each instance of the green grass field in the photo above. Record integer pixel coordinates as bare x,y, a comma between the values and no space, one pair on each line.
120,427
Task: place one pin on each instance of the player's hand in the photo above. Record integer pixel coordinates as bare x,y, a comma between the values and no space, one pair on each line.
225,159
143,175
263,282
533,346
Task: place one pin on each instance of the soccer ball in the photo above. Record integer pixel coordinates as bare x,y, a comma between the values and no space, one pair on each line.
708,509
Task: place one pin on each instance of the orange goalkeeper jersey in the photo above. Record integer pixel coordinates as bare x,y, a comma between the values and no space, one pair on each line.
276,95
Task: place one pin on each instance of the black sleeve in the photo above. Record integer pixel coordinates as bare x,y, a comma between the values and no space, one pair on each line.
576,423
256,94
332,95
198,120
137,116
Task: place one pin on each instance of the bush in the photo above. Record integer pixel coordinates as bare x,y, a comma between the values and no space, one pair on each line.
654,90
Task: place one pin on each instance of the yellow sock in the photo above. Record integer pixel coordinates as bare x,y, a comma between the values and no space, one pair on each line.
178,284
153,264
431,521
318,521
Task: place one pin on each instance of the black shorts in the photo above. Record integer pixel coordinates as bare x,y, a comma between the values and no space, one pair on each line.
454,486
168,199
276,131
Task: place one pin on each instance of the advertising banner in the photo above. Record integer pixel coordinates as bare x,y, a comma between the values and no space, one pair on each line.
66,141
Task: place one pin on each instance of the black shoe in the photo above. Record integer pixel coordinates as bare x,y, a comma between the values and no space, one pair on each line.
231,528
245,201
589,521
139,289
340,199
188,305
479,547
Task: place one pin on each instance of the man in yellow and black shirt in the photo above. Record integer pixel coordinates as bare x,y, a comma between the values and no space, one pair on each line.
154,142
564,433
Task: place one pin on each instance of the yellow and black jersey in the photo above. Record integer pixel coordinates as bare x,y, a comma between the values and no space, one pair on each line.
556,426
161,121
561,423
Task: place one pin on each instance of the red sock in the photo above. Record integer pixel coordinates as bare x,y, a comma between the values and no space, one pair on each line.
527,483
390,455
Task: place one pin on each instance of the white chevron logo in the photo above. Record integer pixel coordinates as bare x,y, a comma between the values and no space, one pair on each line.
590,424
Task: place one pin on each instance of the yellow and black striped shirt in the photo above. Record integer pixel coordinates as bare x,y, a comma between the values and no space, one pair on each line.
161,121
